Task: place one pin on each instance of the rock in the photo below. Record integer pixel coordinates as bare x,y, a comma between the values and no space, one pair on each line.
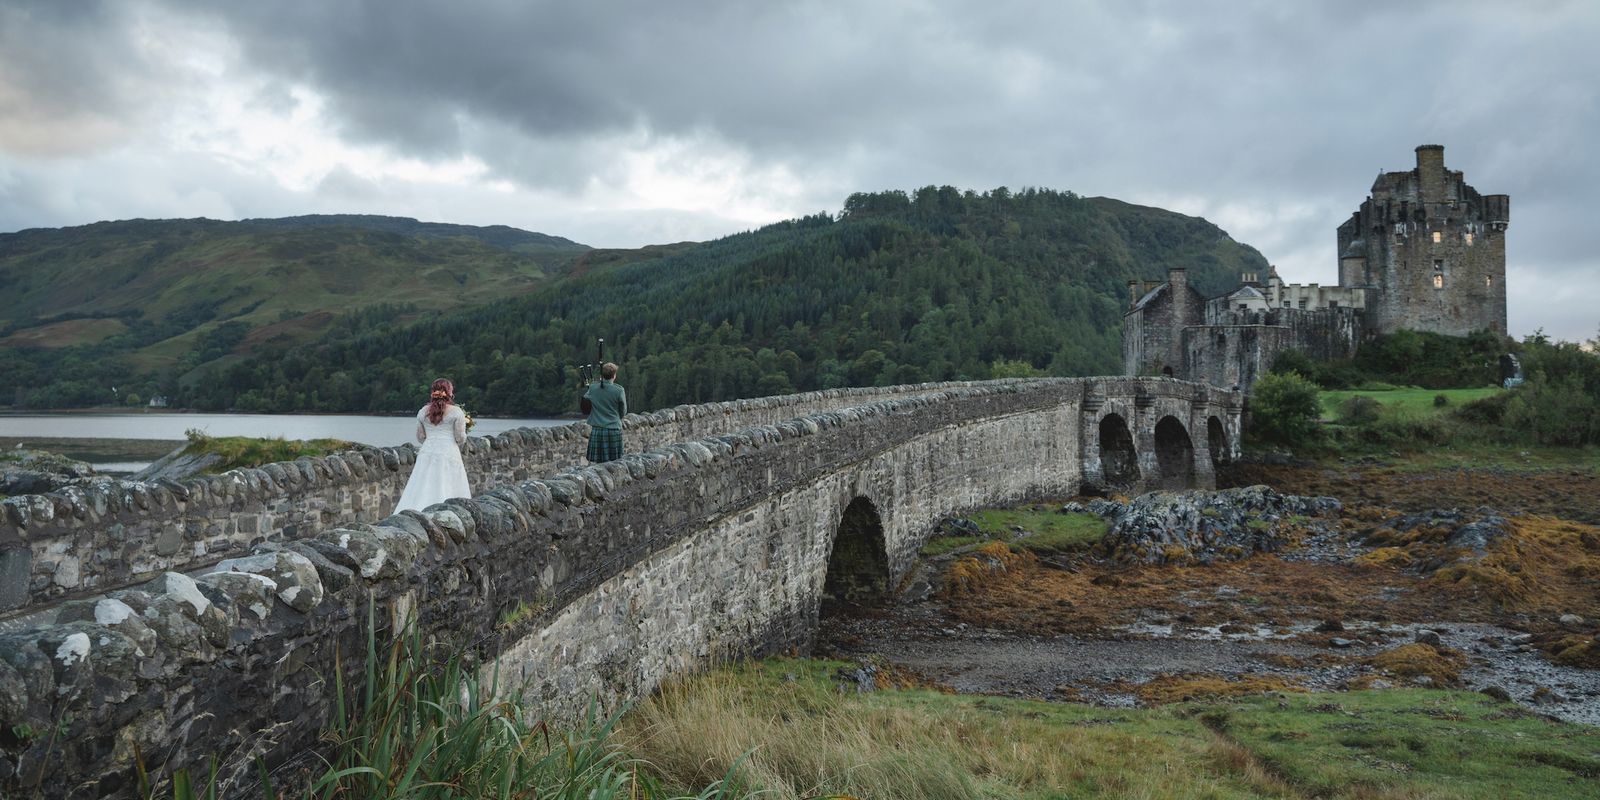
37,472
1329,626
1230,524
1341,643
1428,637
177,466
1546,696
1521,639
954,526
1571,620
1497,693
1477,536
294,575
860,679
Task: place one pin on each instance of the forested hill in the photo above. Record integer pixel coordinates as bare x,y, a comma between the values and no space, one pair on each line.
94,306
936,285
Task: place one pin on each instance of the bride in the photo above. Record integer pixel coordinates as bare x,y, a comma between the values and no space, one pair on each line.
438,473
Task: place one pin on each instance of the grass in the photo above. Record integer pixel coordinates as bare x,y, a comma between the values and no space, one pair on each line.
791,731
238,452
424,724
1409,429
1038,528
1409,400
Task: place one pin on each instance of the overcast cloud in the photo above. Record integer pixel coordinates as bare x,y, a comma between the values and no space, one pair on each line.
623,124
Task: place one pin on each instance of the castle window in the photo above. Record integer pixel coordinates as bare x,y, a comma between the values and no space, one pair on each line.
1438,281
1302,302
1222,340
1287,304
1437,237
1488,282
1467,237
1333,304
1244,306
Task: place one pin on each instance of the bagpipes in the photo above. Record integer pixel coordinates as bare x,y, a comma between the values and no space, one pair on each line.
588,372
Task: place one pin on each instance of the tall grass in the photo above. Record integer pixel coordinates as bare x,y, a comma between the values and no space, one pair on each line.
246,451
424,724
794,732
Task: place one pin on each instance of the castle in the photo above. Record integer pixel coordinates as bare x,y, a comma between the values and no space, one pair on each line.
1424,252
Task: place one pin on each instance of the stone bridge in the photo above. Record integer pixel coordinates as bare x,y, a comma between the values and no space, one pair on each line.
596,580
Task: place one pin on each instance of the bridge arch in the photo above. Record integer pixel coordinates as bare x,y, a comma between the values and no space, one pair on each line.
858,562
1119,459
1174,454
1217,442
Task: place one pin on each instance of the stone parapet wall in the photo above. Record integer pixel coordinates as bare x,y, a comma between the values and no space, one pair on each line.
80,541
600,580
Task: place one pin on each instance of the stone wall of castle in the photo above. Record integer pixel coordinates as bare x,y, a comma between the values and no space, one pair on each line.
1431,248
1234,349
1152,337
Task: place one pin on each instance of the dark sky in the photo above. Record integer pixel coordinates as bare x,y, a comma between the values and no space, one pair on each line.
622,124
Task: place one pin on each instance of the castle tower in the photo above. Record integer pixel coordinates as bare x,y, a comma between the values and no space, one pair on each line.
1430,251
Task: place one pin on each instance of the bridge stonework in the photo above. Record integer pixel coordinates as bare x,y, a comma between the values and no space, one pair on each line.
594,581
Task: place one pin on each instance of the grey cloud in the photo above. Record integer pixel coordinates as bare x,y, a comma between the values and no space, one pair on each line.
1264,105
68,76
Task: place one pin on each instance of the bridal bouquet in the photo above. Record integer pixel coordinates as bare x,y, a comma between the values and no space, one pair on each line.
470,420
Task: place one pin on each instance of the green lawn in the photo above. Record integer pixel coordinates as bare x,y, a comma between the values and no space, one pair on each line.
1044,530
1409,400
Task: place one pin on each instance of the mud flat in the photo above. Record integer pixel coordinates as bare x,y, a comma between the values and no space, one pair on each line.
1103,671
1377,598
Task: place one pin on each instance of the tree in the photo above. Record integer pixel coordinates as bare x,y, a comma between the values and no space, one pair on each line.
1284,409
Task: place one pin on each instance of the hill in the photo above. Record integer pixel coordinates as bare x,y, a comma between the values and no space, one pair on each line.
135,298
935,285
501,236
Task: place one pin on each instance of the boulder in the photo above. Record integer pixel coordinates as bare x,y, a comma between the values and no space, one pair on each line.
177,465
1202,525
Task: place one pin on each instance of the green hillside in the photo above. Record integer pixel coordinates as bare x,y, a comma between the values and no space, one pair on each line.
935,285
130,299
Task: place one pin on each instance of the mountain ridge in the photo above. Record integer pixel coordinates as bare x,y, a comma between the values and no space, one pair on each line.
897,287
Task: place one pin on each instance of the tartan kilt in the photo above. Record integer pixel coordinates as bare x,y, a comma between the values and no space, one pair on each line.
605,444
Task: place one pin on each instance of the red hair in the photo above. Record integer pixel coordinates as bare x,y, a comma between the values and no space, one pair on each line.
439,395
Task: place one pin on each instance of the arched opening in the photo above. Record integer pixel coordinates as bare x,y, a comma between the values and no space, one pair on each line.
1174,454
1167,371
858,567
1217,441
1119,462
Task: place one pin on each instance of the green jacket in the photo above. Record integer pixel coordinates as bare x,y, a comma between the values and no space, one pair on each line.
608,404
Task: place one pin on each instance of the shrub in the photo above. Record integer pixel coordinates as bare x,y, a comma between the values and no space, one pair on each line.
1294,361
1558,412
1489,410
1440,401
1359,409
1284,409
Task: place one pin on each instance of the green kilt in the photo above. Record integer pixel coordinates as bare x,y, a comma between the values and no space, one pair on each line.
605,444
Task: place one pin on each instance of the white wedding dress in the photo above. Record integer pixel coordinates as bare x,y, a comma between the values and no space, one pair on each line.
438,473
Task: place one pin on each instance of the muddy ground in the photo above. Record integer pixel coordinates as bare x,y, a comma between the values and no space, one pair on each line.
1325,615
1568,494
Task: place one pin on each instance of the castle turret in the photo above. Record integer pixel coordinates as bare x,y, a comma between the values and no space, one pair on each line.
1429,249
1430,173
